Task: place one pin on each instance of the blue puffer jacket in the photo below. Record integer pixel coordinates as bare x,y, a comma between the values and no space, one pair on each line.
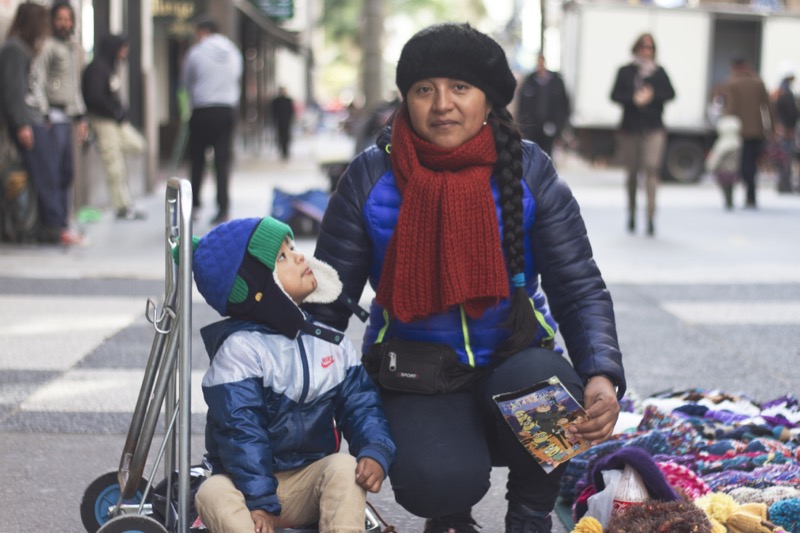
361,217
276,404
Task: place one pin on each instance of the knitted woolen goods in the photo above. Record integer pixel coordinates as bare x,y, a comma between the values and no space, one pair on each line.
588,524
219,254
460,52
654,481
768,495
660,517
684,480
217,258
745,518
786,513
445,249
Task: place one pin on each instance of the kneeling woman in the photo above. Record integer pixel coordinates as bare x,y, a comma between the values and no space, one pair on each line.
462,228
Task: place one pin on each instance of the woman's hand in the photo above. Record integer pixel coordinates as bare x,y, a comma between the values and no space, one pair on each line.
25,137
600,401
643,96
263,521
369,474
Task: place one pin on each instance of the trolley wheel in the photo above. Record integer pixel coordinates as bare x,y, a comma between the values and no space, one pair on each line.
101,494
132,523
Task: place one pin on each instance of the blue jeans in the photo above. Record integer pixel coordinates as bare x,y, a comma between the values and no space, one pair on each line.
40,162
62,149
447,444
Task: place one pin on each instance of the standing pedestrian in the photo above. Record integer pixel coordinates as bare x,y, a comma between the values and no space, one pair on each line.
542,106
108,117
746,97
59,72
212,74
642,87
282,108
24,109
459,225
786,114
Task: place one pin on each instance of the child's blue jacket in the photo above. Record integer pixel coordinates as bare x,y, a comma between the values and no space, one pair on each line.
276,404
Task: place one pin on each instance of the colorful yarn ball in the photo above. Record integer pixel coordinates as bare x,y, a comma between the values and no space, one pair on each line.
786,513
660,517
768,445
684,480
767,496
588,524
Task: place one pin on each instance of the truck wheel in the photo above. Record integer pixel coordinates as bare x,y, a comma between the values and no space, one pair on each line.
684,161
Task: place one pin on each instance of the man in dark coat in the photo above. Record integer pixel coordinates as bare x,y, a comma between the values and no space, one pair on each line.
543,106
282,108
746,97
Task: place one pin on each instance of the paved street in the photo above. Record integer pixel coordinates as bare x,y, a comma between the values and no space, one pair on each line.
713,301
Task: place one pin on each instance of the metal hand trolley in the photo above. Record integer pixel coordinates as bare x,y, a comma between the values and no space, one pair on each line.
123,501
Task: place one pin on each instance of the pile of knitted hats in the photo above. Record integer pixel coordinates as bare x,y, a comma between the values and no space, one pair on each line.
743,481
668,509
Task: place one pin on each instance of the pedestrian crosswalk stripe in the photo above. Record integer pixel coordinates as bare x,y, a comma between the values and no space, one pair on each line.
735,312
55,332
99,391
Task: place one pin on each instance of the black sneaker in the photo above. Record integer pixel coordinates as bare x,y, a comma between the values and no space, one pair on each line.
454,523
522,519
130,214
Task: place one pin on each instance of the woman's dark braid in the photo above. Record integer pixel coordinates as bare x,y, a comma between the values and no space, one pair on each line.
508,172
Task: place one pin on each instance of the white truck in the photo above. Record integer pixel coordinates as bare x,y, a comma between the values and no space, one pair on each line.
695,45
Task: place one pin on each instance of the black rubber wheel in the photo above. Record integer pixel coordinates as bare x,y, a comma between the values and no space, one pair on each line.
684,161
132,523
101,494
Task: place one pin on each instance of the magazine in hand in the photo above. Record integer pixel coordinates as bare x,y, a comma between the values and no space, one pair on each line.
539,416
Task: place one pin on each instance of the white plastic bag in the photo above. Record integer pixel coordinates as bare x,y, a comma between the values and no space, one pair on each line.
599,505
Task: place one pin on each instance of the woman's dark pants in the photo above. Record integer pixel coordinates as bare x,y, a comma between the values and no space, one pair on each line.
448,443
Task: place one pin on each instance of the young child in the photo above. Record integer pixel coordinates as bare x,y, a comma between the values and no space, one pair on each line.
280,388
723,159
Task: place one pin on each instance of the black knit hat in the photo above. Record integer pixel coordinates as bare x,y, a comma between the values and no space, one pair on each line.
461,52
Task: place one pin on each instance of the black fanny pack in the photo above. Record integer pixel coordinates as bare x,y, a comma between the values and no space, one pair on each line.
418,367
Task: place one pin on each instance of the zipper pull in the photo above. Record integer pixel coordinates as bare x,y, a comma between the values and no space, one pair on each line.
392,361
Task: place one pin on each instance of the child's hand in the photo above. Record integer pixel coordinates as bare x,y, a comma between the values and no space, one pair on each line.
263,521
369,474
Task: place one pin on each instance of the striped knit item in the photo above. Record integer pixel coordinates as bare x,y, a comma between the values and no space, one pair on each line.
446,249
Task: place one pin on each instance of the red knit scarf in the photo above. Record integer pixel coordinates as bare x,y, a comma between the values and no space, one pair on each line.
446,249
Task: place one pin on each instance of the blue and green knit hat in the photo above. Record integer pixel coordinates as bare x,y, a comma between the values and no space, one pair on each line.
221,254
234,270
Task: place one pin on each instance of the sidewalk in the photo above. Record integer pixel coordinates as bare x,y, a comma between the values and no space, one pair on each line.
724,246
135,249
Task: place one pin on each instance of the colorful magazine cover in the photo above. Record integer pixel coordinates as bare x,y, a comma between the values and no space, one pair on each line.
539,416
